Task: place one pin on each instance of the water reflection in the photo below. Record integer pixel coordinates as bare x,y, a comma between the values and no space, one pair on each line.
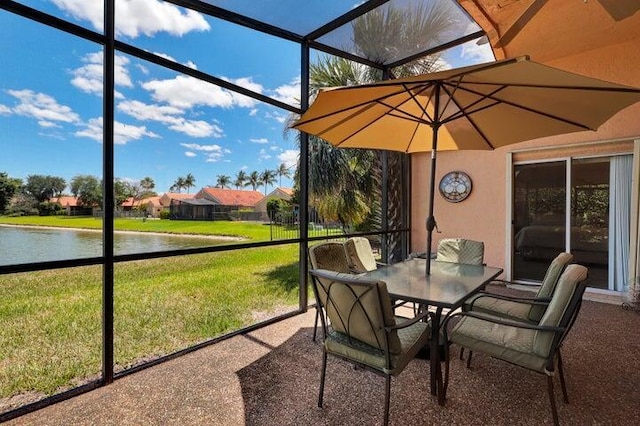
25,245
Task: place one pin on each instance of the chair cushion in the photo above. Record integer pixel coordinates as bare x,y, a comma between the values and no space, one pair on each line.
410,339
359,255
549,283
567,284
365,323
504,308
330,256
510,344
459,250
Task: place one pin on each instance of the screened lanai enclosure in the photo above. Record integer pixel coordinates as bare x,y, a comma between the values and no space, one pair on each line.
144,91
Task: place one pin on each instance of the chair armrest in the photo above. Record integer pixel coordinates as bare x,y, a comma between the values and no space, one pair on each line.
541,301
503,321
409,322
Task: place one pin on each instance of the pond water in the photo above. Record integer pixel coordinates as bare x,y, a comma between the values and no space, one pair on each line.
25,245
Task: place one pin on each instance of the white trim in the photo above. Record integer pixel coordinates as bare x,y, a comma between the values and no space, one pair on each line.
578,144
508,243
635,211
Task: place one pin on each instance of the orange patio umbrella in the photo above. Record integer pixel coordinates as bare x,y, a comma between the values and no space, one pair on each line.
480,107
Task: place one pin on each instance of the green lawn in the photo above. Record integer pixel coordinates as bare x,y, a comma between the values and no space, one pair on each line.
250,230
51,321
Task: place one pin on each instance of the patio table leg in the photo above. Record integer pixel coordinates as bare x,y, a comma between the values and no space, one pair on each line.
434,355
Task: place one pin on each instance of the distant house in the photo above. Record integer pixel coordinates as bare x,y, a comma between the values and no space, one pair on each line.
165,199
215,204
152,205
281,193
71,206
129,204
193,209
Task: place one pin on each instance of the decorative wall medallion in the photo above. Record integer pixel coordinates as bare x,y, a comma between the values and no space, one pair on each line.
455,186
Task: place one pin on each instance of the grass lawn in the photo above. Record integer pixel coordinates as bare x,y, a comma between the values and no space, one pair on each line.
250,230
50,338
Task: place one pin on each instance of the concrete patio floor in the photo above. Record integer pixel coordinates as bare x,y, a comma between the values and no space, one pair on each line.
271,377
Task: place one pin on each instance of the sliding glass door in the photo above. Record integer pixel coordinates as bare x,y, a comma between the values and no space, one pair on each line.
576,205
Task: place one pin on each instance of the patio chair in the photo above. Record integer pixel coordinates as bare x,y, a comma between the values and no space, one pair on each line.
329,255
359,327
457,250
529,309
460,250
534,346
360,255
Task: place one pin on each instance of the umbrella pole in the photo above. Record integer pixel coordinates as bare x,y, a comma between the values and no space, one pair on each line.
431,220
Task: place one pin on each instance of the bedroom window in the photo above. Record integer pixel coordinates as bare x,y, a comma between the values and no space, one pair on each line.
576,205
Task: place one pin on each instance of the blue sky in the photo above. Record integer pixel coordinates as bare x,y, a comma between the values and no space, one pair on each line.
167,124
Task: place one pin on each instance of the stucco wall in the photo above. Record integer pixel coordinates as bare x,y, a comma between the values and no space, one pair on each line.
482,216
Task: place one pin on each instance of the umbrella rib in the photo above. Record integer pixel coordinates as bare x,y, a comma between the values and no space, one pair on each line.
513,104
367,104
462,113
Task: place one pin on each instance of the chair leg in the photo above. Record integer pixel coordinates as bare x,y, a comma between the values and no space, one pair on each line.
324,372
315,324
387,395
562,382
461,353
469,358
446,374
554,411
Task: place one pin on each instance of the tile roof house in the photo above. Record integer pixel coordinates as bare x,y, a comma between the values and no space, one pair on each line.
71,206
166,198
237,198
215,204
281,193
153,206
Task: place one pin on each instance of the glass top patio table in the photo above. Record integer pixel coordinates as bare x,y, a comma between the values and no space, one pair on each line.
447,287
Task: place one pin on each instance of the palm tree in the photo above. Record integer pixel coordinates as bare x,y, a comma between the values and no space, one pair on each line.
283,170
268,177
253,180
241,179
344,184
178,185
189,182
223,181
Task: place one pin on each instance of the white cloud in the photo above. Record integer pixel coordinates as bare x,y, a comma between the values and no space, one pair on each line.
275,148
198,129
167,114
5,110
135,17
48,124
89,77
142,111
253,112
122,133
247,83
187,92
205,148
477,53
42,107
259,140
279,117
214,157
288,93
190,154
262,155
289,157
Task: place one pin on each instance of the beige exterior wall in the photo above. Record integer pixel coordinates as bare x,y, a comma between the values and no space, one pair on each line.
482,216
